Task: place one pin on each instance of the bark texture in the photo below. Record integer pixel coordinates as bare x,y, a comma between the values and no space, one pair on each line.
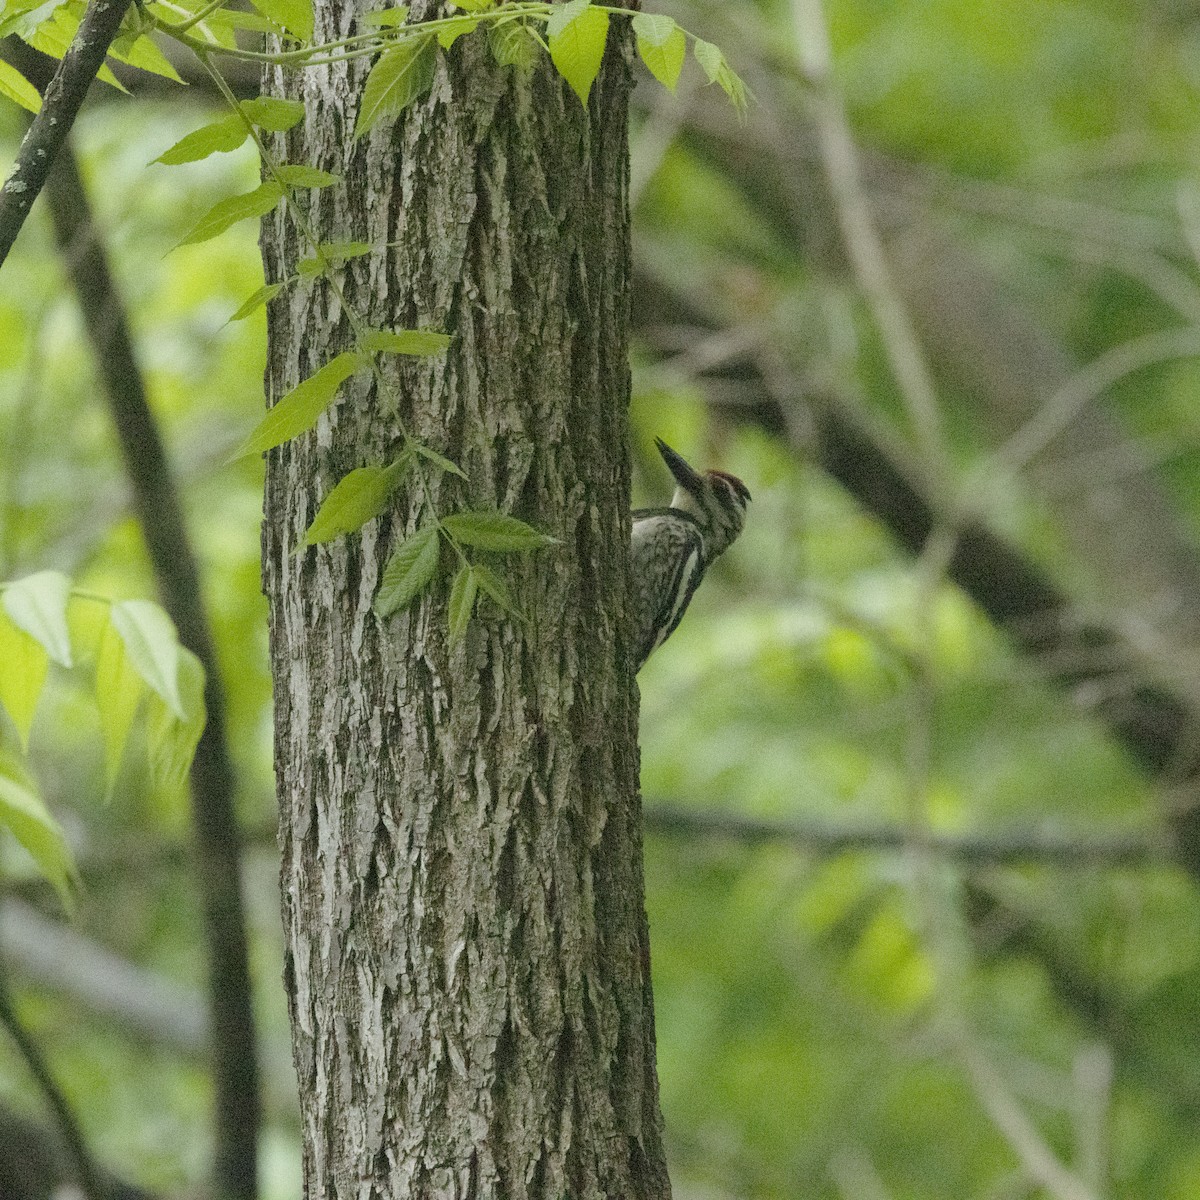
468,962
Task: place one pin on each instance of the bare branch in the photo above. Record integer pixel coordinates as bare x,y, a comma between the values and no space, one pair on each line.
816,837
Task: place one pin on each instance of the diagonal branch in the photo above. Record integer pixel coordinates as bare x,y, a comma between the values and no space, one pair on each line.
1089,661
218,844
48,133
214,785
84,1166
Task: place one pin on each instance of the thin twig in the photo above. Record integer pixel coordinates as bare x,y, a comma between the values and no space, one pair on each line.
89,1177
60,106
863,245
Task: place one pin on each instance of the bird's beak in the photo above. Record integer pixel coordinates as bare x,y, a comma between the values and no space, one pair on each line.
687,479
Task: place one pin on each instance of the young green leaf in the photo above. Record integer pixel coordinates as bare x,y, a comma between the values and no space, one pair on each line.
141,52
494,531
662,45
408,571
25,17
24,814
331,254
714,65
495,588
449,33
403,74
119,690
171,742
38,605
419,342
54,37
16,87
438,460
22,676
343,250
152,646
462,602
512,45
296,16
386,18
273,112
218,138
299,409
357,498
223,23
225,213
301,175
264,295
576,33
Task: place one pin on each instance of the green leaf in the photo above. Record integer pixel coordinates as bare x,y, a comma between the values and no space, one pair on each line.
419,342
343,250
386,18
473,6
403,73
577,32
713,62
494,587
437,459
512,45
54,37
356,499
462,602
264,295
296,16
38,605
494,531
229,212
299,409
143,53
23,667
171,742
408,571
218,138
119,690
16,87
24,19
234,19
152,646
24,814
303,176
273,112
662,45
330,254
449,33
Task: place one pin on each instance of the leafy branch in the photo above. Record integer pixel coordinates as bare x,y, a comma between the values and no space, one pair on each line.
139,664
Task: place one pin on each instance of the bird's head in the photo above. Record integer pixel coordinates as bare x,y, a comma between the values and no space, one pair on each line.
717,500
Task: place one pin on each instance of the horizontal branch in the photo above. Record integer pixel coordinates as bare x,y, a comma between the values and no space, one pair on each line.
978,849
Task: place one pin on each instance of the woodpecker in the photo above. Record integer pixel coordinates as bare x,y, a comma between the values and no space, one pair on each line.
673,547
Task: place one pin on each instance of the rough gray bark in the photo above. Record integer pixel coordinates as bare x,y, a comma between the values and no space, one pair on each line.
468,964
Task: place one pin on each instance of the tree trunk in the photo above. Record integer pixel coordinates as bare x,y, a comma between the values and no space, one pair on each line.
468,962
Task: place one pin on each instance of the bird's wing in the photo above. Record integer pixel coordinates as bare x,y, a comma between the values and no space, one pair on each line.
667,564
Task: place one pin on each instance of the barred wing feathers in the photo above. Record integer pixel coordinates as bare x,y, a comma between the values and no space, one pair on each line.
667,565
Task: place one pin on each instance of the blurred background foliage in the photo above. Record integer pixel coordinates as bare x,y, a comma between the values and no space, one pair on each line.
918,927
